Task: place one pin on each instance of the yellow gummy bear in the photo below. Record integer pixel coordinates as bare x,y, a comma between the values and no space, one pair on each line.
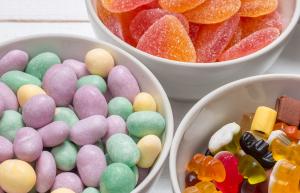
202,187
282,151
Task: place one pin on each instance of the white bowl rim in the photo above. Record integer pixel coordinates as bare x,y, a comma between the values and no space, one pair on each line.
238,61
186,121
155,170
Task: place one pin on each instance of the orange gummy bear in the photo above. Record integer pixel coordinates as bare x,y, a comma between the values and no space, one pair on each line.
251,24
207,168
255,8
167,38
179,6
213,11
202,187
213,39
251,44
119,6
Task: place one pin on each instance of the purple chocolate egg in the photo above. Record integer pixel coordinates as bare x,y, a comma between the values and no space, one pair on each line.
116,124
78,67
6,149
13,60
68,180
9,97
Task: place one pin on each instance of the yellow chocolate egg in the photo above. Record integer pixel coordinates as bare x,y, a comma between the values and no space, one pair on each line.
144,102
150,147
62,190
27,91
16,176
99,62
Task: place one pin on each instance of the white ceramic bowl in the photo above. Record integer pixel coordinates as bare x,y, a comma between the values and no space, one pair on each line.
194,80
222,106
76,47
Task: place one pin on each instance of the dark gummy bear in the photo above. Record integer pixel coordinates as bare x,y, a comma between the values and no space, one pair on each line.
191,179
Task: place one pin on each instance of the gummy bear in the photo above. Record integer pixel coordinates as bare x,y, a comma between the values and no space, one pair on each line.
285,177
248,188
202,187
251,44
145,18
191,179
213,11
250,25
279,126
281,151
120,6
258,149
207,168
292,132
251,170
225,139
278,134
167,38
256,8
288,110
233,178
213,39
179,6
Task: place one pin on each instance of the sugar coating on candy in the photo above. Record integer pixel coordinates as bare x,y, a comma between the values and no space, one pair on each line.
250,25
193,32
237,37
167,38
145,18
255,8
213,39
119,6
213,11
251,44
179,6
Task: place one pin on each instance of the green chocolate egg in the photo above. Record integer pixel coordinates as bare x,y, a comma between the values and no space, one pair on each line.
144,123
91,190
93,80
66,115
120,106
10,122
65,156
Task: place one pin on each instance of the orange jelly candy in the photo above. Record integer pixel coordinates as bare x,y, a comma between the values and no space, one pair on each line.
255,8
213,11
145,18
202,187
237,37
167,38
213,39
119,6
251,44
179,6
292,132
207,168
252,24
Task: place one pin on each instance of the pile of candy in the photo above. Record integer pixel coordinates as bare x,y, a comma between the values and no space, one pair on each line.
261,155
54,131
195,30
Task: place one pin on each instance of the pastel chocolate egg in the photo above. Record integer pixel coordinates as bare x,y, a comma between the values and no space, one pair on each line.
65,156
89,130
13,60
28,144
66,115
62,190
150,146
8,97
90,170
6,149
60,83
46,172
88,101
27,91
68,180
144,102
78,67
10,122
115,124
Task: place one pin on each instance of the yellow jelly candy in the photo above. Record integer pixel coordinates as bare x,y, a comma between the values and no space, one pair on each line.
150,147
27,91
144,102
63,190
16,176
264,120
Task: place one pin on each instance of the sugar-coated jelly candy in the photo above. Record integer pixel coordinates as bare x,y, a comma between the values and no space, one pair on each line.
233,178
202,187
250,25
225,139
207,168
194,30
167,38
145,18
285,177
237,37
119,6
179,6
251,44
213,39
255,8
251,170
288,110
213,11
191,179
281,151
16,176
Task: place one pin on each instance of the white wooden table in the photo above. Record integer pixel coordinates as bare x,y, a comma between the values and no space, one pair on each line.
27,17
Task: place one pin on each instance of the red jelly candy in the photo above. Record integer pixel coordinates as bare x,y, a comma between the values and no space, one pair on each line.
251,44
167,38
213,11
194,31
179,6
237,37
252,24
255,8
145,18
213,39
233,178
119,6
